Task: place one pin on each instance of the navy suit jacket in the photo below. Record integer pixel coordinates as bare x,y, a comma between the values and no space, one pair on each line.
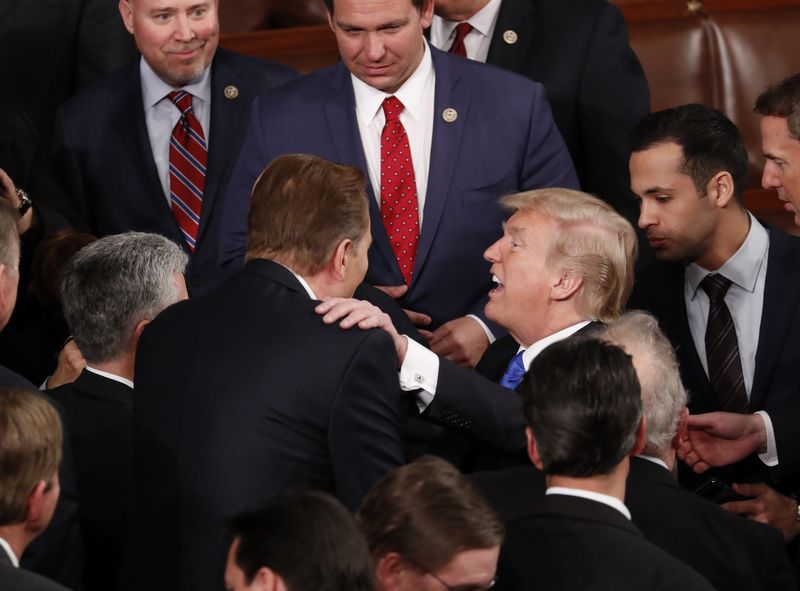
775,385
104,159
502,141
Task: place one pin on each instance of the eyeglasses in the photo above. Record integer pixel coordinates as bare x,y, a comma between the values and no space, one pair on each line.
467,587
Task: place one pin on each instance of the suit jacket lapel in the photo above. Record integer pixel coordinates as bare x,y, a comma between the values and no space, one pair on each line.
781,294
518,16
445,147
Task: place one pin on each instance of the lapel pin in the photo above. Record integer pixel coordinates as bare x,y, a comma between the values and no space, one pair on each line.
231,92
449,115
510,37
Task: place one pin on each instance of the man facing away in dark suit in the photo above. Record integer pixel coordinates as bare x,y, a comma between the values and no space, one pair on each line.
111,290
726,290
243,393
150,148
578,50
584,409
470,134
30,453
565,261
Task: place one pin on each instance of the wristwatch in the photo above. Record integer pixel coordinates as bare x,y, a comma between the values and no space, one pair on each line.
24,202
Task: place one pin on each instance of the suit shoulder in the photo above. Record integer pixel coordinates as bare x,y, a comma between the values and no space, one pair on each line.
487,77
23,580
104,92
276,73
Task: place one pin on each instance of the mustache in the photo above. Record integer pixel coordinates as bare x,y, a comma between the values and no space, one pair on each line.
185,47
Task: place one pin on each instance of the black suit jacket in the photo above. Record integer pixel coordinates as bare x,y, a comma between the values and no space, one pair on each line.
578,49
568,543
104,159
775,384
241,394
17,579
731,552
99,413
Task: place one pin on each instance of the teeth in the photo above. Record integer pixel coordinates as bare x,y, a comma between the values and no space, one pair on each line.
496,279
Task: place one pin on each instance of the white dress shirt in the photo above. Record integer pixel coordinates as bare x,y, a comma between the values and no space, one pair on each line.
747,271
11,556
612,502
478,40
161,115
110,376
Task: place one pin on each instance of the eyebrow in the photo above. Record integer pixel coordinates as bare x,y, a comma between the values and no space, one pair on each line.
657,189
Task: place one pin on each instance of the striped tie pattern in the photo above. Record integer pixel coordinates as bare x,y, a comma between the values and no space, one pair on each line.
722,347
458,47
399,205
188,157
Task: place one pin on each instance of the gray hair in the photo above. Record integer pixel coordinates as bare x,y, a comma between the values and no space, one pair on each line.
9,236
111,285
663,394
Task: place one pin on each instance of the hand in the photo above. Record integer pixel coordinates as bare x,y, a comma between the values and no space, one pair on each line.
721,438
768,506
70,365
418,319
461,340
8,191
350,312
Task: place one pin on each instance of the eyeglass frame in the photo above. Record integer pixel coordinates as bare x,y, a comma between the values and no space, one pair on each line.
467,587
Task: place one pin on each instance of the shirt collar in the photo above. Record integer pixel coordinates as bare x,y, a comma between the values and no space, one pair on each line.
154,89
412,93
613,502
111,376
482,21
299,278
655,460
13,557
531,352
743,267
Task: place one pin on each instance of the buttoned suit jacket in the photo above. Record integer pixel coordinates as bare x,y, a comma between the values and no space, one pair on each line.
501,140
731,552
569,543
265,399
105,162
18,579
775,388
99,413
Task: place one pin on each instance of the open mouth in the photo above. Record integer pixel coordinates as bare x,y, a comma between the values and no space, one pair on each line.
498,285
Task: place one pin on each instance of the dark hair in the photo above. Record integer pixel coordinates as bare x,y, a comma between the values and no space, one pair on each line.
709,140
49,262
302,207
307,538
583,403
427,512
420,4
782,100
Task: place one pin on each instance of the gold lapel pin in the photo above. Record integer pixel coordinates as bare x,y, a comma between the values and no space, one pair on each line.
231,92
510,37
449,114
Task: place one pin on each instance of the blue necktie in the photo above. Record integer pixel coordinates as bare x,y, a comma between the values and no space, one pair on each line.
514,372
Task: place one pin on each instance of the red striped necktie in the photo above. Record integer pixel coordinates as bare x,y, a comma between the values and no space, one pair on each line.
188,157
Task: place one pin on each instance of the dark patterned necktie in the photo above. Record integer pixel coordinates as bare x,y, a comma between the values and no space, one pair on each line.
722,348
188,157
458,47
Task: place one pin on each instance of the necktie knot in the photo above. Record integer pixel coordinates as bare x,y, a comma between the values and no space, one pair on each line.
182,100
716,286
392,107
458,48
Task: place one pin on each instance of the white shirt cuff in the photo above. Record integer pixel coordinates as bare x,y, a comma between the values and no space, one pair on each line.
485,328
770,457
420,371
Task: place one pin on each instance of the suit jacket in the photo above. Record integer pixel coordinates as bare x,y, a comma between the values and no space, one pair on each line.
579,51
503,140
267,398
730,551
774,387
104,159
99,412
18,579
569,543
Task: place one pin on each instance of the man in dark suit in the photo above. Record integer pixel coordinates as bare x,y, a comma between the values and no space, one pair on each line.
30,452
111,290
578,50
470,133
726,291
122,145
243,393
565,261
584,409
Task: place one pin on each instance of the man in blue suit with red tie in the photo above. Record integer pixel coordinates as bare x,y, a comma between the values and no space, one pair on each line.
458,134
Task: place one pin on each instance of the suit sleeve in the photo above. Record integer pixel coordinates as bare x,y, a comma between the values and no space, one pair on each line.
364,432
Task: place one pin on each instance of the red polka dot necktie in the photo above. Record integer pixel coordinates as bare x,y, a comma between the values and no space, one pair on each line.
188,157
458,47
399,207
